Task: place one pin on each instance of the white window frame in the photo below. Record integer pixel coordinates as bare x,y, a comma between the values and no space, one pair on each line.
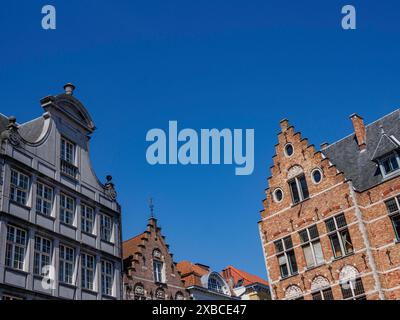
88,266
106,229
352,287
107,277
44,199
67,215
215,284
87,218
68,150
158,271
382,167
67,264
312,243
322,293
15,249
338,231
19,187
299,189
284,254
43,249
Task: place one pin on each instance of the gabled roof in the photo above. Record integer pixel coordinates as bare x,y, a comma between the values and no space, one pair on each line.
237,275
191,273
385,146
357,165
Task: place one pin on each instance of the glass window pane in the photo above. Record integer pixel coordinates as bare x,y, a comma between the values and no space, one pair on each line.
396,225
294,191
346,240
319,257
337,251
304,188
308,256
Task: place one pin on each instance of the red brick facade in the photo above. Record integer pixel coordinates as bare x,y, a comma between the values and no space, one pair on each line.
367,252
149,270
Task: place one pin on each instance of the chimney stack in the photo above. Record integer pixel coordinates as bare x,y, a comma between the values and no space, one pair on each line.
359,129
284,124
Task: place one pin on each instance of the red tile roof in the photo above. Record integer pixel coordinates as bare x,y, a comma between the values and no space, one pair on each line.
236,275
130,247
191,273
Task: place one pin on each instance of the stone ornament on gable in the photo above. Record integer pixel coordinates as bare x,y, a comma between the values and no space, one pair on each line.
294,171
11,134
110,189
293,292
319,283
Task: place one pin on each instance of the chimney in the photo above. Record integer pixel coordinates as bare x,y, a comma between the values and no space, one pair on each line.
359,129
69,88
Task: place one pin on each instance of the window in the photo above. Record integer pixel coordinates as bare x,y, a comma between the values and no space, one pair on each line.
392,206
339,235
87,262
68,158
160,294
316,175
19,187
105,228
139,293
179,296
106,277
325,294
67,209
289,150
158,271
67,151
311,246
299,189
278,195
42,255
286,257
44,199
353,290
87,218
66,264
389,164
15,247
215,284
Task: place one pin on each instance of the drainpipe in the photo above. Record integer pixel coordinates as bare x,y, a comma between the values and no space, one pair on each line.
366,242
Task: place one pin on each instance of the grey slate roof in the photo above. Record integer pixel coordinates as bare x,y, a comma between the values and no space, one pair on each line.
31,130
359,166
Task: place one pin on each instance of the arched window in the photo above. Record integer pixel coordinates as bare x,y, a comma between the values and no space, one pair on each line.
321,289
215,284
293,292
158,267
138,292
160,294
297,184
351,284
179,296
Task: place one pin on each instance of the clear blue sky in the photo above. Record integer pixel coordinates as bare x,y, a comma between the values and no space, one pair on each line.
206,64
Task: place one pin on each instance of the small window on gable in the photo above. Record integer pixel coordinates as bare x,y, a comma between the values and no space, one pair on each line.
299,189
289,150
278,195
389,164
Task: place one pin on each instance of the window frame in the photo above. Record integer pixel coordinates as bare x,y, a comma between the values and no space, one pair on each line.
87,219
158,271
323,292
338,232
88,271
107,278
65,212
393,171
66,265
19,191
41,198
311,243
353,287
106,232
394,215
299,189
291,269
65,155
41,256
15,259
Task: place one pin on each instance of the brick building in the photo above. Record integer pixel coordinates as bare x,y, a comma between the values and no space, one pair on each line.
330,227
150,272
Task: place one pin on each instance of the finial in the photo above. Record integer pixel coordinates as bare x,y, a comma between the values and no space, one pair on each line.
69,88
151,206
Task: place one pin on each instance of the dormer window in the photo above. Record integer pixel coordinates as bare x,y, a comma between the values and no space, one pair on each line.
299,189
389,164
68,158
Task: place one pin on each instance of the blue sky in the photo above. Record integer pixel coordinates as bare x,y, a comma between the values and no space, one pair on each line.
206,64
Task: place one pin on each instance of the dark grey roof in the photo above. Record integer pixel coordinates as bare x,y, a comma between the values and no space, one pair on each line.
3,122
31,131
359,166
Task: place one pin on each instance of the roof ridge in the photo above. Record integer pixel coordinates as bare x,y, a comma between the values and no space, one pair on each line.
368,125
